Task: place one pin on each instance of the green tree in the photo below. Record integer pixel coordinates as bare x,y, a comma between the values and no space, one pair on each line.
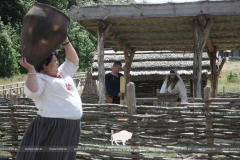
14,11
84,44
9,46
11,12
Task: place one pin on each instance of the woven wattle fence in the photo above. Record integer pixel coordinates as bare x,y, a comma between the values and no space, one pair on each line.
210,130
6,90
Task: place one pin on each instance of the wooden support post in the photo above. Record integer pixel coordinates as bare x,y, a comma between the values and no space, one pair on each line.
200,39
214,72
14,127
101,69
122,89
202,21
191,87
213,77
128,63
209,125
132,109
4,93
221,66
23,90
114,38
102,30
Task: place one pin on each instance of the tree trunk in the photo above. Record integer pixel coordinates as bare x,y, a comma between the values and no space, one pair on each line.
200,39
213,78
101,69
128,63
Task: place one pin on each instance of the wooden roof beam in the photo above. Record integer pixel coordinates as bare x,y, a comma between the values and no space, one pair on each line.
202,21
156,41
113,37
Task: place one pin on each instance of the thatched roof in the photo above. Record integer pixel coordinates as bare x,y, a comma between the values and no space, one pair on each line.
169,26
153,65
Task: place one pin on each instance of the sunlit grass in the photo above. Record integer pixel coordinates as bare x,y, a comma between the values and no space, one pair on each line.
222,81
14,79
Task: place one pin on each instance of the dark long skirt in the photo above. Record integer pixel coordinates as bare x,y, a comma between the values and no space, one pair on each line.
50,139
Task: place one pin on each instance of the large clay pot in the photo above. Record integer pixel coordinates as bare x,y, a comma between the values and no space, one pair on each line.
44,29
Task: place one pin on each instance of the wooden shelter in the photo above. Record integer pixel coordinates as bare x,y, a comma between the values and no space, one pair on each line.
149,69
191,26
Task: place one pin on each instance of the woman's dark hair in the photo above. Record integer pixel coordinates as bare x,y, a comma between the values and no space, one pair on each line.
46,61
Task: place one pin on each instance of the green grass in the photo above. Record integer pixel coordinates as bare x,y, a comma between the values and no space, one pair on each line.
14,79
222,81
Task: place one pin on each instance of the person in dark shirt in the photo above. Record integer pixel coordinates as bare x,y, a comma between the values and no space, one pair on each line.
112,82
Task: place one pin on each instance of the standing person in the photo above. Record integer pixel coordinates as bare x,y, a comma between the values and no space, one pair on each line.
58,121
174,84
112,83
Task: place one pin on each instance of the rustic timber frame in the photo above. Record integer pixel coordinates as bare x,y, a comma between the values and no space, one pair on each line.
169,26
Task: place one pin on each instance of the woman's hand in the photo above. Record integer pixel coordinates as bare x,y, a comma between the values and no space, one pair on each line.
23,62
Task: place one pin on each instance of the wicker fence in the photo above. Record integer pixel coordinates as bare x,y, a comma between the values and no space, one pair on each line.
210,130
80,78
18,88
5,90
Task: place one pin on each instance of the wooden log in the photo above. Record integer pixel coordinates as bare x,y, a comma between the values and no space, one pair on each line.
122,89
214,76
132,109
102,31
207,95
101,69
113,37
14,129
202,21
128,62
220,67
217,100
146,100
200,39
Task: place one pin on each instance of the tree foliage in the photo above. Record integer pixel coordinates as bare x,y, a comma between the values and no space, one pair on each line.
13,12
9,45
83,43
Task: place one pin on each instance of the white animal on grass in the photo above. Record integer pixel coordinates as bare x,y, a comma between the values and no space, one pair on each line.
121,136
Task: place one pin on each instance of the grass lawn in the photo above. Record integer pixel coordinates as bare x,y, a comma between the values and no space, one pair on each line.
14,79
229,86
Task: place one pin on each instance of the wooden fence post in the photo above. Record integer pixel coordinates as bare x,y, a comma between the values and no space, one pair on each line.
209,125
23,91
4,93
132,109
14,127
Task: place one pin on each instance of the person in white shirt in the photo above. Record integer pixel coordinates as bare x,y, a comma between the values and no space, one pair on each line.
174,84
58,121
